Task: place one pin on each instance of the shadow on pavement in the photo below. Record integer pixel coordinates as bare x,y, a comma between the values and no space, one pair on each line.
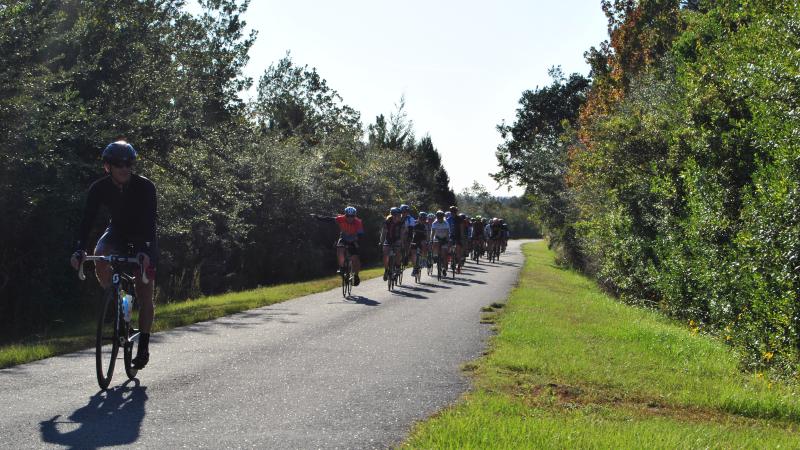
418,289
408,294
472,268
457,283
363,300
113,417
437,286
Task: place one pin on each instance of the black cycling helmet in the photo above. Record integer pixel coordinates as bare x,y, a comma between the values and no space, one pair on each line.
118,153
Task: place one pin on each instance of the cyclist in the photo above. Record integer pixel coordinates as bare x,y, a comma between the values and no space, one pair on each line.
477,235
458,233
350,231
503,235
493,234
439,237
408,223
429,220
391,238
467,234
484,227
131,200
419,239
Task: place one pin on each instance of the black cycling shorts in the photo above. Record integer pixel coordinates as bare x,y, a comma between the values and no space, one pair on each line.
350,245
111,242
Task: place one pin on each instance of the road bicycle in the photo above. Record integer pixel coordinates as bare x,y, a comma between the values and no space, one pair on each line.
429,261
347,274
395,269
114,329
453,262
417,271
494,250
476,252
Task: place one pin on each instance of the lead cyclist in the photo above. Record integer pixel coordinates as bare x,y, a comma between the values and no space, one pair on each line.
131,200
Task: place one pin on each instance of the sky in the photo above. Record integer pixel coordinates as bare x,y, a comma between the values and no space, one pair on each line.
461,65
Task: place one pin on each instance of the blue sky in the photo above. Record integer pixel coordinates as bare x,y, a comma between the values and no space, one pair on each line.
461,65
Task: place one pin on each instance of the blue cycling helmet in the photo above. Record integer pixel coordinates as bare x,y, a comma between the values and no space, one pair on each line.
448,214
423,215
349,211
119,152
404,207
394,211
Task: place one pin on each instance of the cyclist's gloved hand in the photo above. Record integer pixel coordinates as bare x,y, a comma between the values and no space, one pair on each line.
76,259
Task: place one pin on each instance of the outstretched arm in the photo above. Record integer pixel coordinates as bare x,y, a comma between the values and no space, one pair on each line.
323,218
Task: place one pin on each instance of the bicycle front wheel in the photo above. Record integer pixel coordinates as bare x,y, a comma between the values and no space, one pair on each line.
127,353
107,343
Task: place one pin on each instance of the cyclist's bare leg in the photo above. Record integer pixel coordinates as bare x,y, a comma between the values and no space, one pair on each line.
386,249
102,269
356,261
340,256
144,296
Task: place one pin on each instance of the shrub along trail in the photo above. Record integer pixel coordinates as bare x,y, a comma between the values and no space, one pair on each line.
572,368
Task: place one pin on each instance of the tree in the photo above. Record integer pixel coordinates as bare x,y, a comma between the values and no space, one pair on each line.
296,101
535,154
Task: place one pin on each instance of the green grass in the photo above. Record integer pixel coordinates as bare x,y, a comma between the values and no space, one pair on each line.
571,367
170,315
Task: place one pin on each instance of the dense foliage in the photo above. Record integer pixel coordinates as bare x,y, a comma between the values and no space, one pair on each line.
236,181
681,170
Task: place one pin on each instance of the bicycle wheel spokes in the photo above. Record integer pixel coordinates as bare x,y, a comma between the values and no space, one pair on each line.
107,342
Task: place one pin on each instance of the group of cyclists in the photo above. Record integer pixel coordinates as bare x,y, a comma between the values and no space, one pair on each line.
446,236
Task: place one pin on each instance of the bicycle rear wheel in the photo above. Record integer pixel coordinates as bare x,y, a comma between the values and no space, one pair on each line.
107,342
347,280
400,270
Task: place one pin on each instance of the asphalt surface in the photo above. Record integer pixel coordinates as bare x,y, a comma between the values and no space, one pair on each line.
314,372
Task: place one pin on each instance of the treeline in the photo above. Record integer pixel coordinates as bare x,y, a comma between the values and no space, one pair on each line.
672,172
515,211
236,180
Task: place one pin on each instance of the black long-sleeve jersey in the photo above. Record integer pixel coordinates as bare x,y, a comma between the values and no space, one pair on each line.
133,211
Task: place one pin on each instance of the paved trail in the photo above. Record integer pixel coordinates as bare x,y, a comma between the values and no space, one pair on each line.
315,372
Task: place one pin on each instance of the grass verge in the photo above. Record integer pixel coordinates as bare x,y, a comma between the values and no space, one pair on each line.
82,335
571,367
